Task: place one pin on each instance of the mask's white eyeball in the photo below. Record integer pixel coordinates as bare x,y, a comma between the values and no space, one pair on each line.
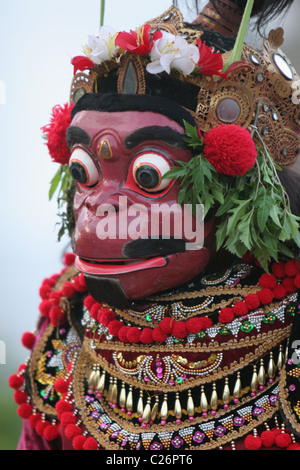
83,168
148,171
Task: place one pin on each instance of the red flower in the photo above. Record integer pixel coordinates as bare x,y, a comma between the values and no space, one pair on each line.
210,62
81,63
230,149
139,41
55,132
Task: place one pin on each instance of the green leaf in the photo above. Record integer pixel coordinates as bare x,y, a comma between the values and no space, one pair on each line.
54,183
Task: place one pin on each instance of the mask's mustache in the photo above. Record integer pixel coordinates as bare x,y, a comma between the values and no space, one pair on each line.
141,248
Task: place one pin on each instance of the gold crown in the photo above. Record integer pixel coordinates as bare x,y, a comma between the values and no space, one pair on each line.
262,92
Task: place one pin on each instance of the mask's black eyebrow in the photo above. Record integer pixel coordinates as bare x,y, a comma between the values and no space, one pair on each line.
76,135
161,133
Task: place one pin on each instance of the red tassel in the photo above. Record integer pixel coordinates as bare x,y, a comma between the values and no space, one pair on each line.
90,444
51,432
283,440
41,426
268,438
24,410
15,381
67,418
61,386
253,442
20,397
72,431
78,442
28,340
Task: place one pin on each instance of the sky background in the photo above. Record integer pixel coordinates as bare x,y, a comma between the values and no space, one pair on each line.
38,40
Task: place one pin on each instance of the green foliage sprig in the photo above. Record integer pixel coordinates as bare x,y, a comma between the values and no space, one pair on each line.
253,210
63,184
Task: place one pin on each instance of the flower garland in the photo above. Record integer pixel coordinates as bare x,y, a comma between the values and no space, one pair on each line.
163,51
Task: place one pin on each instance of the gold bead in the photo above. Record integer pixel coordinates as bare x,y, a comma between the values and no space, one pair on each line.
226,393
177,408
190,405
203,401
214,399
238,386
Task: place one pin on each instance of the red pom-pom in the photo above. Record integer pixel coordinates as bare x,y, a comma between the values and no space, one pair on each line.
28,340
240,308
278,270
267,280
283,440
194,325
105,316
20,397
67,418
41,426
69,259
252,301
230,149
61,385
122,334
94,310
265,296
279,291
294,446
146,336
15,381
289,285
72,431
292,268
114,327
24,410
158,335
68,289
267,438
297,281
55,297
51,432
78,442
89,301
90,444
45,307
166,325
226,315
57,316
62,406
179,329
45,290
79,283
133,334
34,419
55,132
206,323
253,442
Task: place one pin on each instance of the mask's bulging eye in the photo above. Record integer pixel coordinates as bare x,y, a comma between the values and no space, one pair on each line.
82,168
148,171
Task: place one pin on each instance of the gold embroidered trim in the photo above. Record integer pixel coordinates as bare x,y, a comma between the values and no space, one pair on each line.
92,426
262,344
285,404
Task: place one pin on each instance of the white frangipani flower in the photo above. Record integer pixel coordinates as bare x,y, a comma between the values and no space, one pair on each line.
102,47
172,52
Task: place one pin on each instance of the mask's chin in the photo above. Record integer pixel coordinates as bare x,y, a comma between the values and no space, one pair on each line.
118,284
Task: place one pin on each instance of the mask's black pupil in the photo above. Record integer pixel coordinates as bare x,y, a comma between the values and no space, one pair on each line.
147,176
78,172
